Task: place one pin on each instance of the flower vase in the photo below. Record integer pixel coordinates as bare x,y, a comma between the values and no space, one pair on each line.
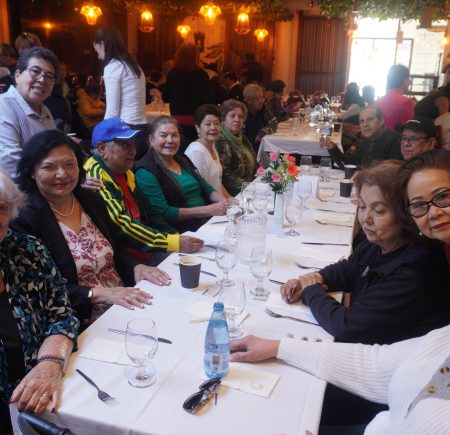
278,210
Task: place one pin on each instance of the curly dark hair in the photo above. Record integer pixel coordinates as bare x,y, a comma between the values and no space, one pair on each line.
39,53
206,109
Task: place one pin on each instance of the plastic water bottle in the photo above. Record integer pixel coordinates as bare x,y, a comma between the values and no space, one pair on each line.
217,344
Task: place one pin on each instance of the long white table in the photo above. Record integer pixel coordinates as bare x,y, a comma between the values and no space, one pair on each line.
305,141
293,406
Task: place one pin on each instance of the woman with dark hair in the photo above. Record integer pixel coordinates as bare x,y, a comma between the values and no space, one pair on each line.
353,102
187,87
425,180
202,152
236,154
124,82
74,225
172,183
274,100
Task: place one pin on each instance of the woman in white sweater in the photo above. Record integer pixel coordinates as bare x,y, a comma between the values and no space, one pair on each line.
124,83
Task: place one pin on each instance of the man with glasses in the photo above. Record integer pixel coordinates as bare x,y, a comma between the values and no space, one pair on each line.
419,135
22,112
260,121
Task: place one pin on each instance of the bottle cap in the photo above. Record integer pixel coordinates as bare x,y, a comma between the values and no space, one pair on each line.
218,306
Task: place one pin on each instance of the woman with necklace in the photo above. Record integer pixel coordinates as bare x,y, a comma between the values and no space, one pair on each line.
73,223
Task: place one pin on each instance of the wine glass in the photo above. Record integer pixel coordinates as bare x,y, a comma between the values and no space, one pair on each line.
226,258
259,201
301,115
233,297
141,344
305,164
233,212
295,126
246,194
325,168
293,212
261,267
304,190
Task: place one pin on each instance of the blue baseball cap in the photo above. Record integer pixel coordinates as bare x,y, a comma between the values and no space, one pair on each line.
112,129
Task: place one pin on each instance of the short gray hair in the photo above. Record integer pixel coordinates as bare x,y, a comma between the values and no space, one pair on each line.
251,89
11,194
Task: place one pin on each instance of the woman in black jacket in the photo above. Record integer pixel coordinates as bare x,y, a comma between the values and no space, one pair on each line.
73,223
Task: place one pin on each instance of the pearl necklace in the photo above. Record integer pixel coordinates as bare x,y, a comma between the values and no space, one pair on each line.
66,214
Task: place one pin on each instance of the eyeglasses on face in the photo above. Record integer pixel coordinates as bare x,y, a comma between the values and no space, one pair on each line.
196,401
413,140
420,208
36,73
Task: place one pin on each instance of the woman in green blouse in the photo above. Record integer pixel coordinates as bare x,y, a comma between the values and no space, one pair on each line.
173,184
235,151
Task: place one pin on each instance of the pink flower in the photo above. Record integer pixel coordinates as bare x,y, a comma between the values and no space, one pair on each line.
276,177
273,156
261,171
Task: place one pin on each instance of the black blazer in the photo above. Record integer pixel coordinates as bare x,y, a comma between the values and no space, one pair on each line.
37,219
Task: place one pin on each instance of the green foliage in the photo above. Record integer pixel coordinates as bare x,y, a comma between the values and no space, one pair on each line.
383,9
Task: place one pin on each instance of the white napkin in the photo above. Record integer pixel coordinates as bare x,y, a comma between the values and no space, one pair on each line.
109,351
334,219
298,310
204,308
331,196
315,257
250,380
347,207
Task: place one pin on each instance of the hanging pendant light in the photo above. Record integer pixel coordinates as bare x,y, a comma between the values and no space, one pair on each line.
146,24
91,12
261,34
183,30
210,12
242,24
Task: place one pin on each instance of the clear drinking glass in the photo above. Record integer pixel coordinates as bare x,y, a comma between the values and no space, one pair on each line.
141,344
293,212
305,164
226,258
233,212
233,298
304,190
261,268
296,125
247,190
260,201
325,168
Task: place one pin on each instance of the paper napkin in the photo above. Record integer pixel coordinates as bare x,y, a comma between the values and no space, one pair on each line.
109,351
334,219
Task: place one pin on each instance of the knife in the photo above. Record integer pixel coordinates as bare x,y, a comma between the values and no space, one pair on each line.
276,282
334,211
120,331
320,243
201,271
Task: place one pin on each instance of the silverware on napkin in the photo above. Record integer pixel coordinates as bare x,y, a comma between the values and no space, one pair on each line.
201,271
122,332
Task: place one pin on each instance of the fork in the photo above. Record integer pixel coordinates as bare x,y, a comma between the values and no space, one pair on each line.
279,316
102,395
306,267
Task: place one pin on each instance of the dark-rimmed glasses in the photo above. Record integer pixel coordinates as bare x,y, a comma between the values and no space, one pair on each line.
420,208
412,140
36,73
207,390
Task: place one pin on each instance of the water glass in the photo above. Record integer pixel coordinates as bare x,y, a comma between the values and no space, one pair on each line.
304,191
293,213
325,168
234,300
226,258
233,212
261,268
296,125
247,190
260,201
305,164
141,344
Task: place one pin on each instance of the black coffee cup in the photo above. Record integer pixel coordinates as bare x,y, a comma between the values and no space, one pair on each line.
350,171
346,188
189,271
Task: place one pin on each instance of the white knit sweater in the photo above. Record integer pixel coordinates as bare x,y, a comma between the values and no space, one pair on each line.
392,374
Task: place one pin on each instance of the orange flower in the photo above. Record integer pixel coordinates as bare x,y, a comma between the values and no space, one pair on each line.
293,170
289,158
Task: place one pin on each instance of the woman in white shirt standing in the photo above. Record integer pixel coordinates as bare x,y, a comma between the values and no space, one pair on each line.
202,152
124,83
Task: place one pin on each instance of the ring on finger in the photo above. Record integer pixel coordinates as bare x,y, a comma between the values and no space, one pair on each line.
45,395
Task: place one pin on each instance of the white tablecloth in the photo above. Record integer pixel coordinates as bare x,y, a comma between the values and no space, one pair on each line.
294,405
304,142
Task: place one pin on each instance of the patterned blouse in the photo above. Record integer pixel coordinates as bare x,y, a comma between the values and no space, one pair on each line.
92,253
38,298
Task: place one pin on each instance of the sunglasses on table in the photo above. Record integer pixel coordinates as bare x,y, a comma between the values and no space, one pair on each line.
420,208
198,400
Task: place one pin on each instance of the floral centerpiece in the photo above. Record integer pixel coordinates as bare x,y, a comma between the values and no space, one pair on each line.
281,171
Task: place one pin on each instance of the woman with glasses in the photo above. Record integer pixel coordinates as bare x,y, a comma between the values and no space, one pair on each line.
124,83
426,183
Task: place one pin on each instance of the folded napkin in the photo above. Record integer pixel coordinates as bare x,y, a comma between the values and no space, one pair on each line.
331,196
250,380
334,219
347,207
108,351
315,257
204,308
298,310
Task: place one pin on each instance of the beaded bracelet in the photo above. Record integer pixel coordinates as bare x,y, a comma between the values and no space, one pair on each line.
53,358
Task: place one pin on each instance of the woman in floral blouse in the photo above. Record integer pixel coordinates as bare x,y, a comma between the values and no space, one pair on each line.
37,327
74,225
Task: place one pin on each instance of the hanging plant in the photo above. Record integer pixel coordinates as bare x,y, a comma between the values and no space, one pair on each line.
386,9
